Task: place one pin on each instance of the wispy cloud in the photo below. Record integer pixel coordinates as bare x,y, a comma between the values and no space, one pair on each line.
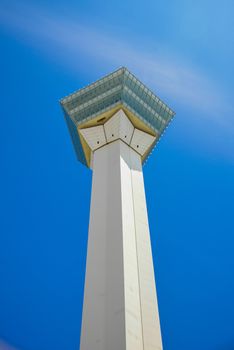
68,40
6,346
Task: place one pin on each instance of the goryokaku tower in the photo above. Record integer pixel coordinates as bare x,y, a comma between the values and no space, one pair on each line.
114,125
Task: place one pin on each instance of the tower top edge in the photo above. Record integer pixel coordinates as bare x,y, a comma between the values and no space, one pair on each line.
121,71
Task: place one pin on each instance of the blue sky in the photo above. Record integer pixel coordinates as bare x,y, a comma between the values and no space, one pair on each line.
184,51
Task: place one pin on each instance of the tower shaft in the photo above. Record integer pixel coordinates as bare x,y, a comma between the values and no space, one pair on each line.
115,123
120,309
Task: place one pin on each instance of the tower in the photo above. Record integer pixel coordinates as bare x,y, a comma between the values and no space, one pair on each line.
114,124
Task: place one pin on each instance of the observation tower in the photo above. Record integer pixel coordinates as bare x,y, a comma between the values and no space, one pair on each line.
114,124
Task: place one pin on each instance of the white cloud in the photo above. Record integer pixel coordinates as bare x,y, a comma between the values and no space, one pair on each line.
72,43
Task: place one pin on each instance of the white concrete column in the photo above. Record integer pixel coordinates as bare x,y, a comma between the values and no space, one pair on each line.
120,305
148,298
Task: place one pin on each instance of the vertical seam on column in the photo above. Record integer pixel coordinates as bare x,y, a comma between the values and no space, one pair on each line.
138,273
131,138
123,266
105,135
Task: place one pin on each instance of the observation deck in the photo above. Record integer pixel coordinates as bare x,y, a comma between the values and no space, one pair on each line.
95,104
